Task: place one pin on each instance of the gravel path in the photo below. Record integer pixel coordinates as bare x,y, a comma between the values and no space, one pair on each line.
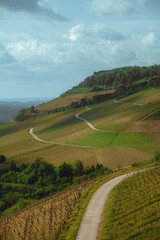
88,123
89,226
49,142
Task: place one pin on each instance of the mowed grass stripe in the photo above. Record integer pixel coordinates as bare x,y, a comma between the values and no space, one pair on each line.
105,139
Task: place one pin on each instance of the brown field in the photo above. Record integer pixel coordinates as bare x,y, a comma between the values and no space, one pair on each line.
65,101
151,128
116,157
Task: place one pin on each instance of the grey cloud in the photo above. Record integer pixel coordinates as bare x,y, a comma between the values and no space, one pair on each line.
33,7
5,57
119,7
102,32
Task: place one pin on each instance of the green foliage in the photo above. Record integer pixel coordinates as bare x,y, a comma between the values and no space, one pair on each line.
19,116
21,184
65,170
11,198
10,177
157,157
76,90
131,79
78,168
132,211
2,158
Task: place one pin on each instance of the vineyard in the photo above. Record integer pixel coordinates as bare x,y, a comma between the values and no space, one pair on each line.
44,220
151,128
133,210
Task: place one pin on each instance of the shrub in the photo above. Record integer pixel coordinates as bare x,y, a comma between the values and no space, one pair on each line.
157,157
2,158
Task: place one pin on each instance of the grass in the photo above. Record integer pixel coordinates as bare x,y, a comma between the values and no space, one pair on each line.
132,211
116,118
119,116
98,139
118,139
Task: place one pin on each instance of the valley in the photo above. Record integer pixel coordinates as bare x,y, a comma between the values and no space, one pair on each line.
118,128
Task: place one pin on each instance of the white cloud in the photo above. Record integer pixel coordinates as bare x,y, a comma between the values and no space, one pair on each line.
89,45
5,57
150,39
74,33
116,6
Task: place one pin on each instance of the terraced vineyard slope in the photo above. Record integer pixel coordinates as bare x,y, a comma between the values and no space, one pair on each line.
133,210
44,221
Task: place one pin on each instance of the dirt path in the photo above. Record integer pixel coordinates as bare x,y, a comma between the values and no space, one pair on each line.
49,142
88,123
89,226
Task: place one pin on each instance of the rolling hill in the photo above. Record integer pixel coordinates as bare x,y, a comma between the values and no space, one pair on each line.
118,124
121,142
9,107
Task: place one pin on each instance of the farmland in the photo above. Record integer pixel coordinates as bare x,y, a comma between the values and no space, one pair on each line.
43,220
126,126
129,133
67,100
132,211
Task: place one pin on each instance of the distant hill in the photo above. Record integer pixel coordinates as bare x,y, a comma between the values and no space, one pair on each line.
9,108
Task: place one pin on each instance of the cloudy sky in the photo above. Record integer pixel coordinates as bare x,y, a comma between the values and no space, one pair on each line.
48,46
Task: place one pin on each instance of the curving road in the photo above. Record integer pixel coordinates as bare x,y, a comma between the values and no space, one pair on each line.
88,123
65,144
44,141
92,217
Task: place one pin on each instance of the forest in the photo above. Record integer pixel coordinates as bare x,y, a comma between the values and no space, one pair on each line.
20,184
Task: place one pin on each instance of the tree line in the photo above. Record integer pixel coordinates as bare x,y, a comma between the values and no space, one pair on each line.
20,184
109,79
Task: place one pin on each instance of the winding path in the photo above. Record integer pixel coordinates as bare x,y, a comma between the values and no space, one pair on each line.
88,123
56,143
31,132
91,220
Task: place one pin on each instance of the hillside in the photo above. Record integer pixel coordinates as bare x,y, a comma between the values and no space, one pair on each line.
65,101
105,85
132,76
101,86
113,128
128,135
132,212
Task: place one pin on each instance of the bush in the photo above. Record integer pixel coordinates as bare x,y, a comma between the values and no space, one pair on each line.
10,177
157,157
136,164
2,158
11,198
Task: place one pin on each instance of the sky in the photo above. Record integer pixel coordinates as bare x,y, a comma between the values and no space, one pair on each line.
49,46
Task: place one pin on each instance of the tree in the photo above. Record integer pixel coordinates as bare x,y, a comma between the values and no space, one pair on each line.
157,157
45,170
2,158
74,105
13,166
65,170
32,108
78,168
83,102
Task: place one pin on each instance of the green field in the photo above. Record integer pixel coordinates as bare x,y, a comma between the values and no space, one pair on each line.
132,211
121,135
